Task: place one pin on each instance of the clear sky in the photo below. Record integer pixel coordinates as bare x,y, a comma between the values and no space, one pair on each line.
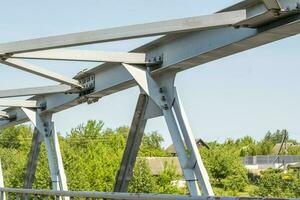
245,94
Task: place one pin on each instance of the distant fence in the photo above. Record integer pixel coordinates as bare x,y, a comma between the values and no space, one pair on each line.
269,160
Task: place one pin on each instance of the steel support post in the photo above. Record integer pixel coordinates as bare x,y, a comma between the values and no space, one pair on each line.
2,194
161,91
195,160
45,127
60,167
181,152
134,141
32,159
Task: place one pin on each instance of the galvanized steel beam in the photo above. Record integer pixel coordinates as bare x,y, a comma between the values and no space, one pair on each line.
18,103
32,159
2,196
195,174
204,46
127,196
133,144
85,56
127,32
40,72
35,91
45,127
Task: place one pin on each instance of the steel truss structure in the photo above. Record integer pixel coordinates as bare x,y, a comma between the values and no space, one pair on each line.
185,43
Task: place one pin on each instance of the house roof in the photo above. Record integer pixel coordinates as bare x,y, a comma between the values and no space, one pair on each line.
277,147
157,164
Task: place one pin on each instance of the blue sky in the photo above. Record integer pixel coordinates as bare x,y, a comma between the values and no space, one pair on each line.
245,94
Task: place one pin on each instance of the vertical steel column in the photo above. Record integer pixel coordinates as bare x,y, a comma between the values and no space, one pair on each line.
2,194
45,127
133,144
60,167
195,160
181,152
32,159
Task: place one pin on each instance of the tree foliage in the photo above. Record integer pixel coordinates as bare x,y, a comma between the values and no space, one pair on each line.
92,155
276,183
225,167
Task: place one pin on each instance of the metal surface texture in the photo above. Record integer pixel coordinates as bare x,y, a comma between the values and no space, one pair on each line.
127,32
204,46
35,91
187,43
133,143
124,196
84,55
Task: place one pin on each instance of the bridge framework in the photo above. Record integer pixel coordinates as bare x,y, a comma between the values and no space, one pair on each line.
187,43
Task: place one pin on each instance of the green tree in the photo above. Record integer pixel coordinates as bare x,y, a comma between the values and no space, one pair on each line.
142,180
276,183
15,137
247,145
265,147
152,146
294,150
166,181
224,166
278,136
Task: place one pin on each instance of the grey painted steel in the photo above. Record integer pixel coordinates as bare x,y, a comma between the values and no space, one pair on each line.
253,3
40,72
261,12
35,91
127,196
194,176
2,196
18,103
59,162
204,46
85,55
40,124
32,159
133,143
45,127
127,32
195,160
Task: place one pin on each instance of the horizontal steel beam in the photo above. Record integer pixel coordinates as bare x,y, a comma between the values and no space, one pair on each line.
203,46
126,32
18,103
124,196
35,91
84,55
40,72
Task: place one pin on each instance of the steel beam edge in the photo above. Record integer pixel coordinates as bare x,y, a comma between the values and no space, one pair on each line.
215,44
43,90
127,32
128,196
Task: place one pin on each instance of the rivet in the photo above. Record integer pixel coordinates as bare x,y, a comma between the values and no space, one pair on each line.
165,107
161,90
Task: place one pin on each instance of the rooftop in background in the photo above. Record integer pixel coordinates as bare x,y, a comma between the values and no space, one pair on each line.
200,143
281,147
157,164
